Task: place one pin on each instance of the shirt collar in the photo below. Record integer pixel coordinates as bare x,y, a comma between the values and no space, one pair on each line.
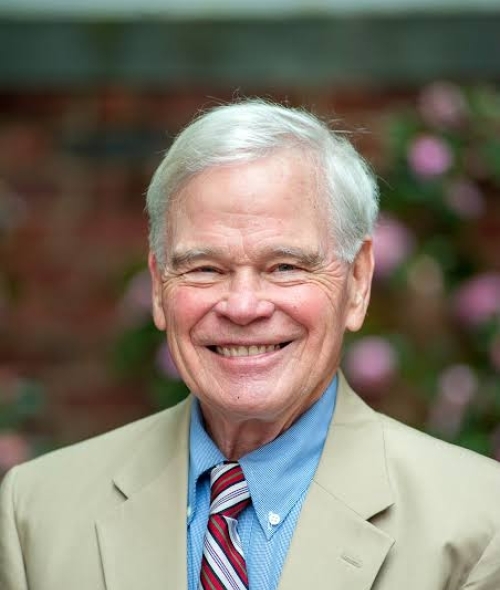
279,473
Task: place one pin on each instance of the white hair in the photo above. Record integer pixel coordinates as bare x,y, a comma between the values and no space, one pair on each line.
251,129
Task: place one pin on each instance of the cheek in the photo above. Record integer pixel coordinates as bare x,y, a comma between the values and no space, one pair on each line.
184,308
314,306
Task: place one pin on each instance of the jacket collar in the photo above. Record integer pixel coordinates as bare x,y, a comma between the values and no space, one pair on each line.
143,540
334,539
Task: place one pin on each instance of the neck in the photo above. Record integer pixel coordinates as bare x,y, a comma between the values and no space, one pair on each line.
238,438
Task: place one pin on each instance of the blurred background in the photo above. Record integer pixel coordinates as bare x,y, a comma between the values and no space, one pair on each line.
91,94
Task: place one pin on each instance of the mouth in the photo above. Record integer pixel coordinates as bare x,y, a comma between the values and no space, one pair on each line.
251,350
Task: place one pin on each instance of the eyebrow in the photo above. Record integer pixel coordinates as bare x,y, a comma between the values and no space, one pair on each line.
308,258
182,258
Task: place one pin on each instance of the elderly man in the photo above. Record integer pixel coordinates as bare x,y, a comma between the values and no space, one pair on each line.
274,474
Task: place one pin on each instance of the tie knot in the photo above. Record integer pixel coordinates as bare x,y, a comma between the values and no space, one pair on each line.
229,493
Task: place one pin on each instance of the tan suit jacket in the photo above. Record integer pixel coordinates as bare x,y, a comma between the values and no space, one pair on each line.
389,508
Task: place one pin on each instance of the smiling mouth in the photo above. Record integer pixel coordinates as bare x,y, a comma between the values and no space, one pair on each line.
251,350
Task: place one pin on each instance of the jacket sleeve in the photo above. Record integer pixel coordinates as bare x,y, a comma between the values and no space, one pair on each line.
485,575
12,570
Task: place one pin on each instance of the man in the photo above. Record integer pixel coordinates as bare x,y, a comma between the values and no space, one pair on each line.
274,474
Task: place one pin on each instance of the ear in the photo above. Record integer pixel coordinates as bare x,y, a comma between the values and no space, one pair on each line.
360,282
157,293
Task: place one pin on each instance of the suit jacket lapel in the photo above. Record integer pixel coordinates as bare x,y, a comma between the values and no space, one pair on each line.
334,542
143,539
334,545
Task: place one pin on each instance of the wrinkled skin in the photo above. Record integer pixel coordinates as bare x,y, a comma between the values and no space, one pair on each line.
253,299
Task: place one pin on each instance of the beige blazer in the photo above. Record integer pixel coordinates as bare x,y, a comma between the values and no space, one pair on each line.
388,509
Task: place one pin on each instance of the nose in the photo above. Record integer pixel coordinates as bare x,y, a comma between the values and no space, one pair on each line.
245,300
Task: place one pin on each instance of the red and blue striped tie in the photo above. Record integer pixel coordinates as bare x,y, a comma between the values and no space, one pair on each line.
223,565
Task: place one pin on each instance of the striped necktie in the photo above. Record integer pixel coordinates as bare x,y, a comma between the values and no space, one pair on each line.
223,566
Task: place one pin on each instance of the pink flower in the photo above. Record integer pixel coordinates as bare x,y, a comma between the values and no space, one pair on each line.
165,362
465,199
478,300
135,305
429,156
14,449
457,386
392,243
442,104
371,362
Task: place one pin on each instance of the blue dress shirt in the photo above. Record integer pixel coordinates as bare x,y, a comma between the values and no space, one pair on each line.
278,475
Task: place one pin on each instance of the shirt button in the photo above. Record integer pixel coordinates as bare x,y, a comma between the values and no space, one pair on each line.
188,511
274,518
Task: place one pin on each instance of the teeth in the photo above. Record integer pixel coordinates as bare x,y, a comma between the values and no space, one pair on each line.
246,350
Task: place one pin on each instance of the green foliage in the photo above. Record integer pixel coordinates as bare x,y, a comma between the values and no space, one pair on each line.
21,404
20,401
436,297
440,199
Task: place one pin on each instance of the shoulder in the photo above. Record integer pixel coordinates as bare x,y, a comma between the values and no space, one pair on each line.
455,475
403,441
96,459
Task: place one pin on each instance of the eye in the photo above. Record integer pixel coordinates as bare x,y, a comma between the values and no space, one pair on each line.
288,273
203,274
205,269
285,267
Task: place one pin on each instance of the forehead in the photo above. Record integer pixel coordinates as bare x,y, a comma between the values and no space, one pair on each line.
284,185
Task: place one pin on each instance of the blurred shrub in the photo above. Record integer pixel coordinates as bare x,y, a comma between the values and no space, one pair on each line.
433,330
436,297
430,349
141,350
21,403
